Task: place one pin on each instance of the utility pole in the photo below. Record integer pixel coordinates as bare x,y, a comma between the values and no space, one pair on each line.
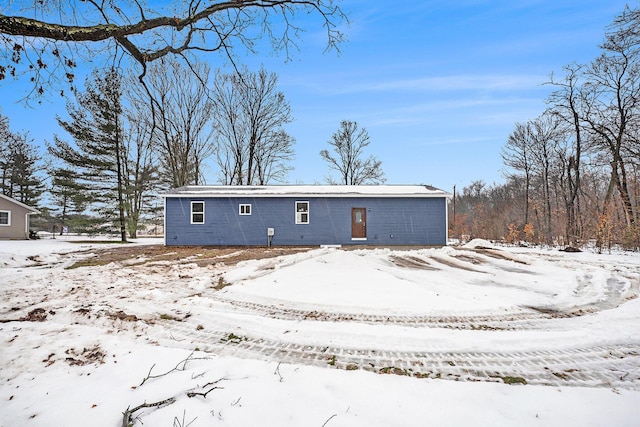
454,207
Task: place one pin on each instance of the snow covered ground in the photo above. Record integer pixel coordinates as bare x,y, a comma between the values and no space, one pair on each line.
446,337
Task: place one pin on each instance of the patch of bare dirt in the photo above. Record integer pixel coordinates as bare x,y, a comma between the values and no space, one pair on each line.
87,356
497,254
411,262
453,264
35,315
121,315
469,259
200,255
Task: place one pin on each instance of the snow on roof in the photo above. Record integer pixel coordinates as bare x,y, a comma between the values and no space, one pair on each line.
307,191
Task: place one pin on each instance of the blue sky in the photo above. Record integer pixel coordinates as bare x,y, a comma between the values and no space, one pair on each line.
438,85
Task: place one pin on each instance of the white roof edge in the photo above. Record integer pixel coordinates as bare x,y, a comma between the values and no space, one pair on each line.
307,191
33,210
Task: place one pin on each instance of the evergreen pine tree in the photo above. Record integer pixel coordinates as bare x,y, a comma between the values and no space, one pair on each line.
97,127
20,164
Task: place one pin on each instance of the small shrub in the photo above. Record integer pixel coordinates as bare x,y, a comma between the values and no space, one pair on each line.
395,371
561,375
631,238
233,338
514,234
513,380
221,284
529,232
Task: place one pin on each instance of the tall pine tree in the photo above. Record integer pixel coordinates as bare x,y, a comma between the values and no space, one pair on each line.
97,127
70,195
20,164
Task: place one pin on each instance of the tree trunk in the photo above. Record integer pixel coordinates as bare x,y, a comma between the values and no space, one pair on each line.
121,207
623,188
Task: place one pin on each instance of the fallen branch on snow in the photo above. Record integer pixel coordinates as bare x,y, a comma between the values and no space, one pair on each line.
277,371
181,366
330,418
127,416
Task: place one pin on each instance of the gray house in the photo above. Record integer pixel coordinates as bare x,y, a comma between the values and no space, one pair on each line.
14,219
306,215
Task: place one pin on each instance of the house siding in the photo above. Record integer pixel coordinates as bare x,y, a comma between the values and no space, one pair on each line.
389,221
17,230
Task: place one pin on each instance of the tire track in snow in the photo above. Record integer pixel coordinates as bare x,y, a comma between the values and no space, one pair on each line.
508,321
611,365
607,365
516,319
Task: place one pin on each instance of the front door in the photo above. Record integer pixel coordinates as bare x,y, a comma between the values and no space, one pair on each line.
358,223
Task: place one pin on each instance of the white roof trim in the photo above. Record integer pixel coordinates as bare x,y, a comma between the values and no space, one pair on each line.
417,191
33,211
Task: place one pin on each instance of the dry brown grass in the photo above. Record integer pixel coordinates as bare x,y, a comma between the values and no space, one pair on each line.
200,255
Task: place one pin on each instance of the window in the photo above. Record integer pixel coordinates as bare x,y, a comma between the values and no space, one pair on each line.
197,212
245,209
5,217
302,212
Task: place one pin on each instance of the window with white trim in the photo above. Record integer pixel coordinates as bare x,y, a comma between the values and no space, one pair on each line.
5,217
197,212
245,209
302,212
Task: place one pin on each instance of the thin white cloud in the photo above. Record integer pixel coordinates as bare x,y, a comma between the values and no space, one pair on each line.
463,117
456,141
352,84
460,82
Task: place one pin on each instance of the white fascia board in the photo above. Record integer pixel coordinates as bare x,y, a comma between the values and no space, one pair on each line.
405,191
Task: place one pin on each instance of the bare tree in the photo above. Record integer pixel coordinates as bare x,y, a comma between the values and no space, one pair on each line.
546,134
532,150
612,110
624,32
140,168
272,157
565,103
46,39
250,114
229,131
517,155
181,133
348,144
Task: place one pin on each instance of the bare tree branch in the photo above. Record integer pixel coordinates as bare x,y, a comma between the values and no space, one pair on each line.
249,115
127,416
148,34
348,144
181,366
